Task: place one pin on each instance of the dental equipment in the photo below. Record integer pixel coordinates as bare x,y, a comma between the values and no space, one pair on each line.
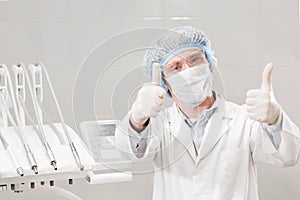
20,129
16,133
4,110
15,162
20,76
38,96
3,90
33,69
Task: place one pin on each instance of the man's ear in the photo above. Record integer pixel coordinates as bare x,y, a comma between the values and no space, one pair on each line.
168,86
169,93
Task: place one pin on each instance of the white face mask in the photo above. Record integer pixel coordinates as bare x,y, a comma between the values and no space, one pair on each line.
192,85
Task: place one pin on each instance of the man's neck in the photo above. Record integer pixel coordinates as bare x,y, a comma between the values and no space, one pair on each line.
195,112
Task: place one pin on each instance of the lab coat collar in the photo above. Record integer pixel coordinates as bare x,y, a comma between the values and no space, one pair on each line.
181,131
217,126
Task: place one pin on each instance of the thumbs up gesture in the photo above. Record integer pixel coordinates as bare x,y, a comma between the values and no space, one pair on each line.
149,101
261,104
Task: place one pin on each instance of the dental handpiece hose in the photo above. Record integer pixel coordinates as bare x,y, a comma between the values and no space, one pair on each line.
53,127
71,144
47,147
20,129
19,169
12,155
26,147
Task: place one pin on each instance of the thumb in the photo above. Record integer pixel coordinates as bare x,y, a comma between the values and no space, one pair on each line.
156,74
266,83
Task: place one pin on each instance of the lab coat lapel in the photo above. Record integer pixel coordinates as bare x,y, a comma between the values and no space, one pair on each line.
181,131
219,125
185,137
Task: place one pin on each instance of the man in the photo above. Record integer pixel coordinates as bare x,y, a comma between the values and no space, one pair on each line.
203,147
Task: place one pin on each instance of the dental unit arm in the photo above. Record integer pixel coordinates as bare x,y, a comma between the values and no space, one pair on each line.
39,154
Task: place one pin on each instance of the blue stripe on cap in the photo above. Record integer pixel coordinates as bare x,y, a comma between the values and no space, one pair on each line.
182,48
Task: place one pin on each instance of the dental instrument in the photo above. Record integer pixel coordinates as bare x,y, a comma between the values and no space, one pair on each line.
22,76
30,156
33,69
15,162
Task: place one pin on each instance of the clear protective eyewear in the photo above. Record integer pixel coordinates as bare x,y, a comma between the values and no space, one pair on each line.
194,59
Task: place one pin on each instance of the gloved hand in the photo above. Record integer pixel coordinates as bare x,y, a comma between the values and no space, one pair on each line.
149,100
261,103
148,103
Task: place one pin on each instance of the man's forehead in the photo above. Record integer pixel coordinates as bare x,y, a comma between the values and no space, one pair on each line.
183,54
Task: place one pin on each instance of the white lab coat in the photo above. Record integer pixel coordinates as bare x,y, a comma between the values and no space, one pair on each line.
225,166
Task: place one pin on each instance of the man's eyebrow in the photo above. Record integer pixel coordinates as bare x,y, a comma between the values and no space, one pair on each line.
174,62
195,53
180,57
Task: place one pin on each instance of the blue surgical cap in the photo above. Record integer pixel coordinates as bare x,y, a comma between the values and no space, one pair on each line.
174,41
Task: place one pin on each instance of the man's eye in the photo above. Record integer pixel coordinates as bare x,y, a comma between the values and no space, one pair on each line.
177,67
195,60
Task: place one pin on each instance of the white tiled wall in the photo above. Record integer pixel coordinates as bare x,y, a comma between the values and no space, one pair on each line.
76,40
